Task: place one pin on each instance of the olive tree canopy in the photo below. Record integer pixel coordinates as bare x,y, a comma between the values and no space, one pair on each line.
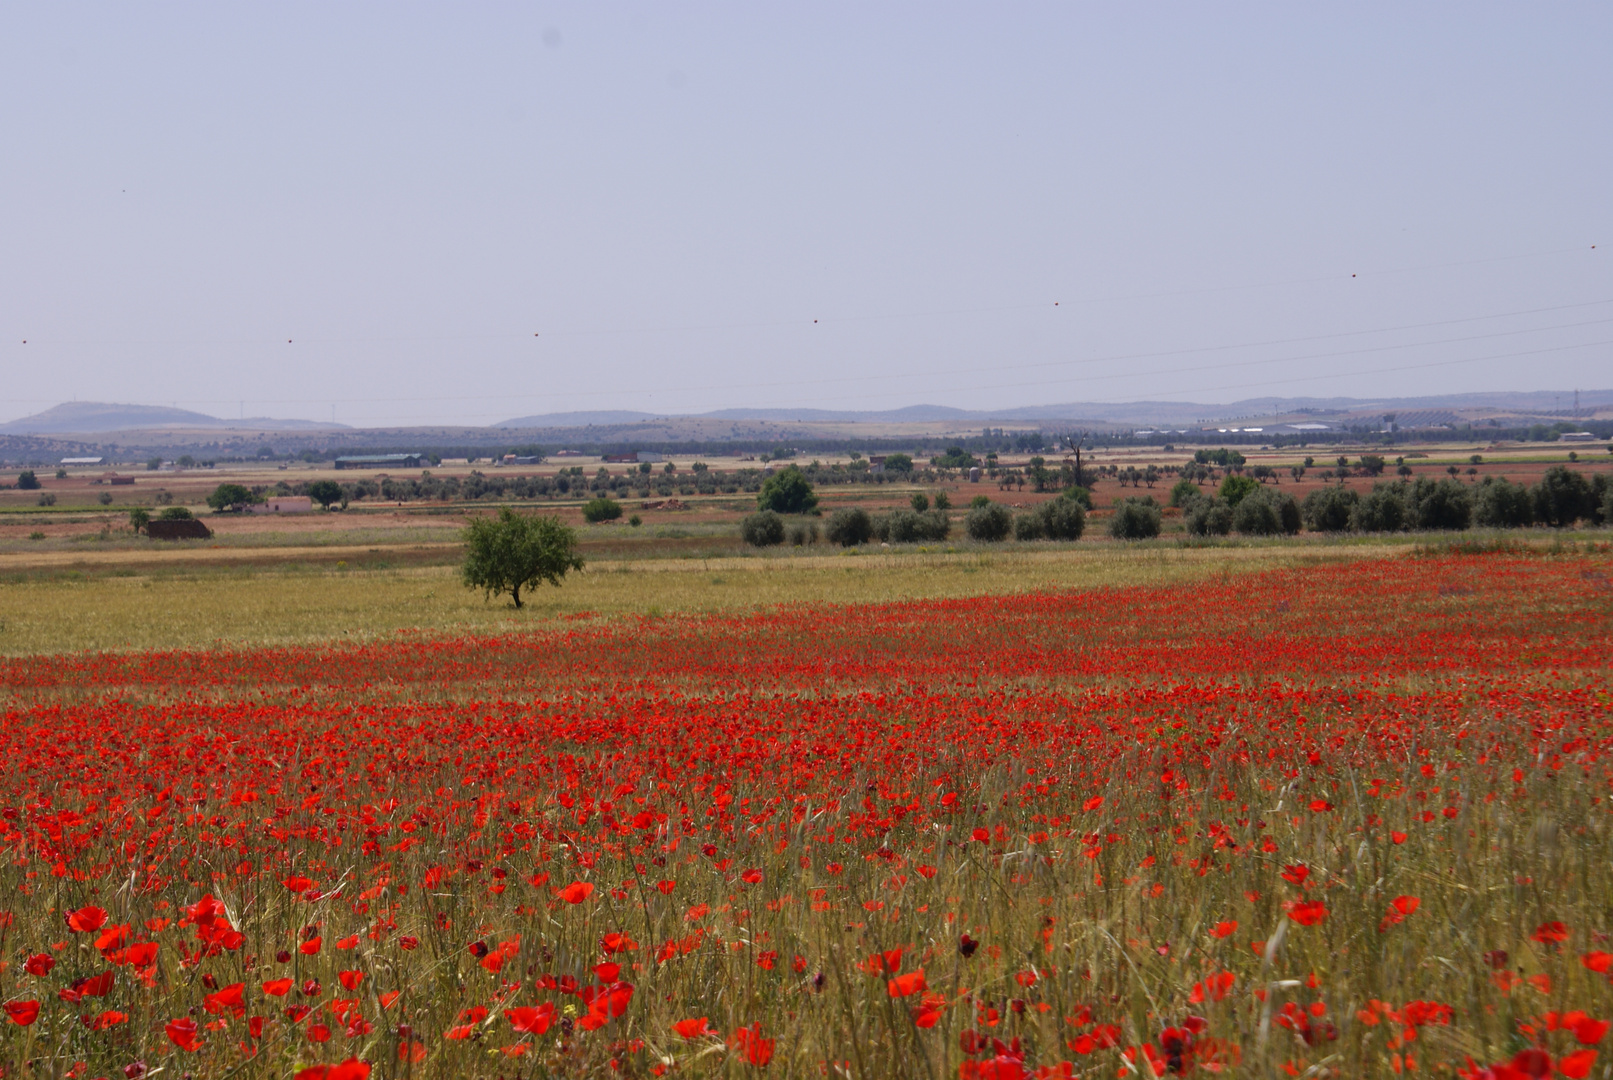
506,553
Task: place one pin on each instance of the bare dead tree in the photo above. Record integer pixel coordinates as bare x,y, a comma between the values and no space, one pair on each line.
1075,442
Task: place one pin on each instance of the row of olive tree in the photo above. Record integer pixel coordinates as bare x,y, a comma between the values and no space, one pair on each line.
1561,499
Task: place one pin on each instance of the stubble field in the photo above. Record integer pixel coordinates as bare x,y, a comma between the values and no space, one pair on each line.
1347,818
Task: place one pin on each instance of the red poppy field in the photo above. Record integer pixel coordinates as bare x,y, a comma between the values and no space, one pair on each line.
1347,820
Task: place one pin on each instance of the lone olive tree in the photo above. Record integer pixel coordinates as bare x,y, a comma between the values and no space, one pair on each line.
513,550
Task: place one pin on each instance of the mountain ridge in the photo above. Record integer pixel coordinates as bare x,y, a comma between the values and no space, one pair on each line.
94,417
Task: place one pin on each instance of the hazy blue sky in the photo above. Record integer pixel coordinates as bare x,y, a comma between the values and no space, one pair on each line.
671,194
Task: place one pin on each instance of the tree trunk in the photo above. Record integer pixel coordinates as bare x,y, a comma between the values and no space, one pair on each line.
515,594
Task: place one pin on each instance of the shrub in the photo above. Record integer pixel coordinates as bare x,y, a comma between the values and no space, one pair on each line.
910,527
1184,492
943,501
230,497
1500,504
989,523
47,499
920,502
1278,512
1207,517
601,509
1288,511
27,481
1062,518
1079,494
762,529
1256,516
849,526
1328,509
1562,497
1136,519
1234,489
802,533
1028,527
1442,504
787,492
325,492
139,518
978,501
105,498
175,513
902,463
1381,510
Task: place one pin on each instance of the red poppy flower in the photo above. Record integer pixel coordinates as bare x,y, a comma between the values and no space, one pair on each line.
86,919
1306,912
904,985
749,1042
22,1013
1589,1032
109,1018
577,892
532,1020
1577,1066
351,1069
228,999
183,1034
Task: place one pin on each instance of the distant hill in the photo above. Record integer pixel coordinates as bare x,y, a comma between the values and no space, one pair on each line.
90,417
1126,412
912,414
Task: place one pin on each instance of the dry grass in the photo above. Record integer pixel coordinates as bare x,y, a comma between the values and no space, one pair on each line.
207,600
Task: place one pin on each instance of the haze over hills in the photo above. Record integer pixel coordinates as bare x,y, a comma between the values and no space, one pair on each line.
98,423
1131,412
95,417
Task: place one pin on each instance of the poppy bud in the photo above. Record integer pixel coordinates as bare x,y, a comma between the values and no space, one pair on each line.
1017,1004
817,982
283,956
311,988
210,982
478,949
967,946
134,1069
